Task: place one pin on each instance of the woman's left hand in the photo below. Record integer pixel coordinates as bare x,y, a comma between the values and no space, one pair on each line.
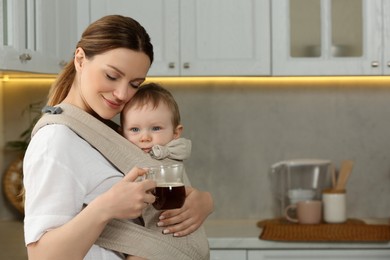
181,222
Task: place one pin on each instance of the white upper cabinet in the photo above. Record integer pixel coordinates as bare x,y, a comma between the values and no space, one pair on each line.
386,35
56,32
199,37
225,37
159,18
329,37
18,39
37,36
210,37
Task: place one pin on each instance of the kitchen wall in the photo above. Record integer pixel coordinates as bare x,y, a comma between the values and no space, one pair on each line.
239,130
2,165
16,97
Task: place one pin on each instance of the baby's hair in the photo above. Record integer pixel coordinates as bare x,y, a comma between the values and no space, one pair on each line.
153,93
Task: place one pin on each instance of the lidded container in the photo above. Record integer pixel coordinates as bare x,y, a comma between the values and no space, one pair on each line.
300,179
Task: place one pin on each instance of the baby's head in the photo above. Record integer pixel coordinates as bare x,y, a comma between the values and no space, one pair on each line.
151,117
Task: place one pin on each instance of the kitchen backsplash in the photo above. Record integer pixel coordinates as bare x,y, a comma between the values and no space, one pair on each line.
238,132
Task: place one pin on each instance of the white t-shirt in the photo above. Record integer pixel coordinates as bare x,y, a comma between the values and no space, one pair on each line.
62,173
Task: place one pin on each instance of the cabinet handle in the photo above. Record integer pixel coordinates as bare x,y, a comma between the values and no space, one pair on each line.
62,63
186,65
25,57
171,65
388,64
375,64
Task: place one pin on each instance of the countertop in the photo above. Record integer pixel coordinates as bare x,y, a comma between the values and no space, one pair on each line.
244,234
222,234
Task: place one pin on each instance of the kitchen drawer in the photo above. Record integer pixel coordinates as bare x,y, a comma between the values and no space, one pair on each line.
321,254
225,254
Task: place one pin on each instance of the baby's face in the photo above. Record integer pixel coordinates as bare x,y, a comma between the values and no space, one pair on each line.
148,126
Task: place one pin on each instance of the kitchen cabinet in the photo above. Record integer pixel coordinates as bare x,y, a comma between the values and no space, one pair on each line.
298,254
319,254
240,238
56,33
330,37
386,37
37,36
198,37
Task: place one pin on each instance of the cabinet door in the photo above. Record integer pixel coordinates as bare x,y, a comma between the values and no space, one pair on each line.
159,18
227,254
327,37
18,36
56,33
386,35
225,37
322,254
38,36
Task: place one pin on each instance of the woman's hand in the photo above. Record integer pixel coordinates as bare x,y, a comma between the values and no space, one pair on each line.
181,222
128,198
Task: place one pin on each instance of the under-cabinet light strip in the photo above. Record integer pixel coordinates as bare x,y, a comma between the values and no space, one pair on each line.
337,81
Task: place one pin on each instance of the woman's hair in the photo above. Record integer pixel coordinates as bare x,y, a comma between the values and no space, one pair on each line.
153,93
107,33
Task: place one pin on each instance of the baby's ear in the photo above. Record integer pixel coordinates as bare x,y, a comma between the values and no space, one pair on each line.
177,132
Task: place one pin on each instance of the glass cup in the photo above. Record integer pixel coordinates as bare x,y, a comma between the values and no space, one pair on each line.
170,191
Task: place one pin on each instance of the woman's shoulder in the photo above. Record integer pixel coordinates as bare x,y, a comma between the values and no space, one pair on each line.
56,138
55,132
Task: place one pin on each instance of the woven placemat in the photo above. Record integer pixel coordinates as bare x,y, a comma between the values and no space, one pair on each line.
353,230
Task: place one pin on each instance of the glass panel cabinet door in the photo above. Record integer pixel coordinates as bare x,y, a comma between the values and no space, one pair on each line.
3,25
305,28
346,28
327,37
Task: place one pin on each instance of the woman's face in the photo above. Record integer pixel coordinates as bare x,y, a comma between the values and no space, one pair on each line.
106,82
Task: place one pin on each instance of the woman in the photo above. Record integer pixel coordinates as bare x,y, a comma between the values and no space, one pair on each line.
72,191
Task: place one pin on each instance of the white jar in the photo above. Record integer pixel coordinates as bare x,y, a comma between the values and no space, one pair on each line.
335,206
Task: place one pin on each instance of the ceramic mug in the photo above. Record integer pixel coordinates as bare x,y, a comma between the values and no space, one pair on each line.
307,212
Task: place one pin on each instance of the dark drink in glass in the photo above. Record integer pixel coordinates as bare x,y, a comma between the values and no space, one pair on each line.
170,191
169,196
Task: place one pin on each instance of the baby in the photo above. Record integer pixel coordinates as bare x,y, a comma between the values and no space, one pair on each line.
151,121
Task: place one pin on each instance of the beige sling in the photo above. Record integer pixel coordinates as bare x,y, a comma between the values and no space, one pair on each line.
124,235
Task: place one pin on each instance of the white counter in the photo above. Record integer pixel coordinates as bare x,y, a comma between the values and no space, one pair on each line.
244,234
222,234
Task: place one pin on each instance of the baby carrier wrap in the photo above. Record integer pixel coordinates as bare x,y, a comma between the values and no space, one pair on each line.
124,235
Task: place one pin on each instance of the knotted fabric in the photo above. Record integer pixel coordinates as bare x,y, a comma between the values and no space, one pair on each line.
177,149
124,235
